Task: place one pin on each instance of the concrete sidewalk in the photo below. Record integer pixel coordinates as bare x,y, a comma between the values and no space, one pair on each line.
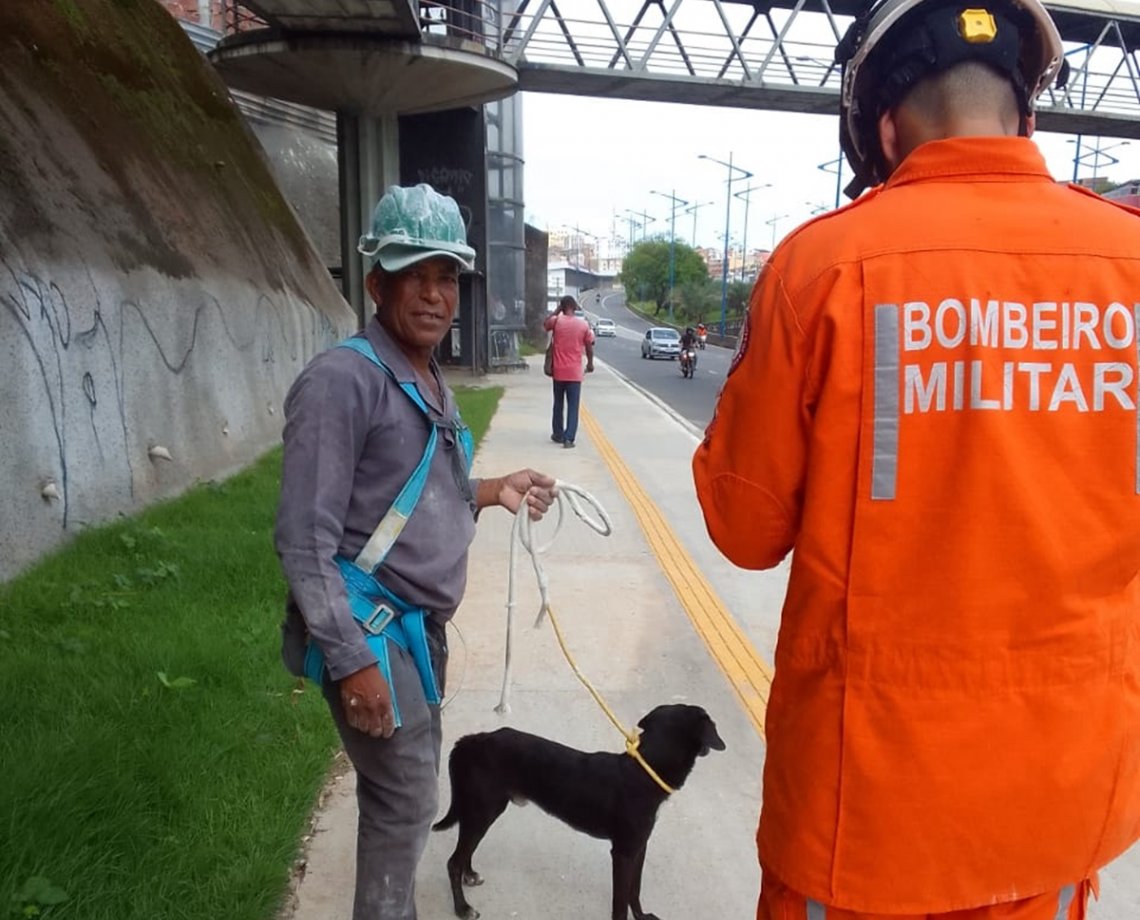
629,635
632,638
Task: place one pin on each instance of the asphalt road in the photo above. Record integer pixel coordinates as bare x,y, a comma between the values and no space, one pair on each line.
694,398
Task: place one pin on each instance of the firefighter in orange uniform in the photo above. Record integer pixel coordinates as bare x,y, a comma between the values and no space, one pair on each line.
934,404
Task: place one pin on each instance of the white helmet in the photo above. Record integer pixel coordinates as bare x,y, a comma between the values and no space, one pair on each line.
896,43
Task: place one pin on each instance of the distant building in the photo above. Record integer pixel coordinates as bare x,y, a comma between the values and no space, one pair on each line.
1126,193
564,278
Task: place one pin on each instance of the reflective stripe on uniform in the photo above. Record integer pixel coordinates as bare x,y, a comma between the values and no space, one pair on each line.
815,910
1136,326
1064,899
885,456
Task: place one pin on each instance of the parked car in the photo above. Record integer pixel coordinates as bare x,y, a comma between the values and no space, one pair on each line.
605,326
661,342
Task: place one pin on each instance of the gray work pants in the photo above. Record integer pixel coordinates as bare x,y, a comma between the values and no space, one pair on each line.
397,789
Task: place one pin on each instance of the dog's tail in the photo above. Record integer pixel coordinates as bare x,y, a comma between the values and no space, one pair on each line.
448,820
459,752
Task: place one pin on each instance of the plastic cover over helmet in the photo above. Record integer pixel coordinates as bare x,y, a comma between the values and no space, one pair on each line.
410,225
896,43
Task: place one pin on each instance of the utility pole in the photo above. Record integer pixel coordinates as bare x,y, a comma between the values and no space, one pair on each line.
673,202
632,223
727,214
746,194
693,209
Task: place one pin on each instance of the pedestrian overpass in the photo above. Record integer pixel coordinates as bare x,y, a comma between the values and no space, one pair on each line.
757,54
779,55
421,90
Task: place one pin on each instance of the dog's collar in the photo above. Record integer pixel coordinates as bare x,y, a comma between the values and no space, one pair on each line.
631,748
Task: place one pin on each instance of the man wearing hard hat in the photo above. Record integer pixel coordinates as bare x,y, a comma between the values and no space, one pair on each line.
376,514
934,404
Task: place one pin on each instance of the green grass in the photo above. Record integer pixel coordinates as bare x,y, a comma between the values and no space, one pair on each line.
477,405
158,762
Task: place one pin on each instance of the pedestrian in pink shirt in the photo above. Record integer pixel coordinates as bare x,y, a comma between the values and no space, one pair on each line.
571,337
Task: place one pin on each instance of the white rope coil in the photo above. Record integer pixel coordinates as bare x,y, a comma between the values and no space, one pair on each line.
523,534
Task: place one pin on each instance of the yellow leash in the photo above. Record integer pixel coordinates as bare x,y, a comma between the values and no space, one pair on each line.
521,533
632,739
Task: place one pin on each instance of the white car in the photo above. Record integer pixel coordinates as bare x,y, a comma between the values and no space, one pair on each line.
605,326
661,342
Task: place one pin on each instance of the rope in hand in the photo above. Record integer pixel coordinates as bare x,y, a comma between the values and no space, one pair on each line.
522,534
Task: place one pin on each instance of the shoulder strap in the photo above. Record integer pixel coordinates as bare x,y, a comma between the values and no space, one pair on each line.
362,346
392,524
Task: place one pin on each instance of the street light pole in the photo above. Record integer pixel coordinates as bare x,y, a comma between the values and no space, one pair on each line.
692,209
746,194
727,215
1095,152
646,220
772,222
632,223
673,202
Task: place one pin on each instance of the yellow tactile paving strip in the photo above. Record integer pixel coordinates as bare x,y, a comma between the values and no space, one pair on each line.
747,673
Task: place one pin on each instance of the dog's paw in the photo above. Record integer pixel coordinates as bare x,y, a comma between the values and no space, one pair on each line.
645,917
470,914
471,879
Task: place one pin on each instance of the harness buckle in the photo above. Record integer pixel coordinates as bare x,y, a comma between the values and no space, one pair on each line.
378,620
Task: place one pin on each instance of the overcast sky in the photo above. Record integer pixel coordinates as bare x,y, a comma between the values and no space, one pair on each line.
589,158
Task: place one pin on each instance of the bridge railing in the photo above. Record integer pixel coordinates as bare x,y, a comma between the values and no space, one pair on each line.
744,46
238,18
671,45
478,21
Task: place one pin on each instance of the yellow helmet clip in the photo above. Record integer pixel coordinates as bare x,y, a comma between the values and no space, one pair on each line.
977,26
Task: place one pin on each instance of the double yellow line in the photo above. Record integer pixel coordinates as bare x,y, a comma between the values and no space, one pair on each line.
747,673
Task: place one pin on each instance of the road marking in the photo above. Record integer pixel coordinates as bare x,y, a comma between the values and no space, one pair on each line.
746,671
688,427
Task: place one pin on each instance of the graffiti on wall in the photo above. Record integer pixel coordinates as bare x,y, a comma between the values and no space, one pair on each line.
83,363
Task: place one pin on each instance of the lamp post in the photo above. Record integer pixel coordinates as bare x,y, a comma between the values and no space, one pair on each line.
727,214
633,222
576,268
673,202
772,221
692,209
746,194
1096,151
835,166
646,220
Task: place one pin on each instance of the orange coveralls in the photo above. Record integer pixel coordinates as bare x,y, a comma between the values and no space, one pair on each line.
934,403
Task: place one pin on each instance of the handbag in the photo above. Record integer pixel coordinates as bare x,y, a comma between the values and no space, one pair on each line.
548,361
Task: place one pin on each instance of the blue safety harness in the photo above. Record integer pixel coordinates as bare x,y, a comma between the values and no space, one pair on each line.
382,614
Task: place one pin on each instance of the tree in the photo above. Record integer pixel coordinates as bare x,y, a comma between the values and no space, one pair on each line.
697,298
645,269
736,298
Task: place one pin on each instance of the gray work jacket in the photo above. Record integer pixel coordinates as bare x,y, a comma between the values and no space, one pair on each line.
352,438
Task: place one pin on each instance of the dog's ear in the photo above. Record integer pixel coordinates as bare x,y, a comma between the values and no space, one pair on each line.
710,740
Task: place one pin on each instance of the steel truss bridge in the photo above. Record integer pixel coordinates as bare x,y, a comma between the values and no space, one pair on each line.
757,54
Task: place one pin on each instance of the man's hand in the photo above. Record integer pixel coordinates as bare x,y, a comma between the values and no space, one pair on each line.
368,703
589,367
509,491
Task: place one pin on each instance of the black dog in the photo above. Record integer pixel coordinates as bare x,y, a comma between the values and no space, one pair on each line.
604,795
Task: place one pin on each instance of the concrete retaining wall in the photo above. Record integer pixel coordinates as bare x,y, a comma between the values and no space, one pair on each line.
156,291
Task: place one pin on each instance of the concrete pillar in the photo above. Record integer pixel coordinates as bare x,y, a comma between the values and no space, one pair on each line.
368,160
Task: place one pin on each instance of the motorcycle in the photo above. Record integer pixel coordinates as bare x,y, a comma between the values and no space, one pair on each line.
688,362
702,337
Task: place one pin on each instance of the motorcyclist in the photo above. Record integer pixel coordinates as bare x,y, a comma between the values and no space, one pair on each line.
702,334
688,352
